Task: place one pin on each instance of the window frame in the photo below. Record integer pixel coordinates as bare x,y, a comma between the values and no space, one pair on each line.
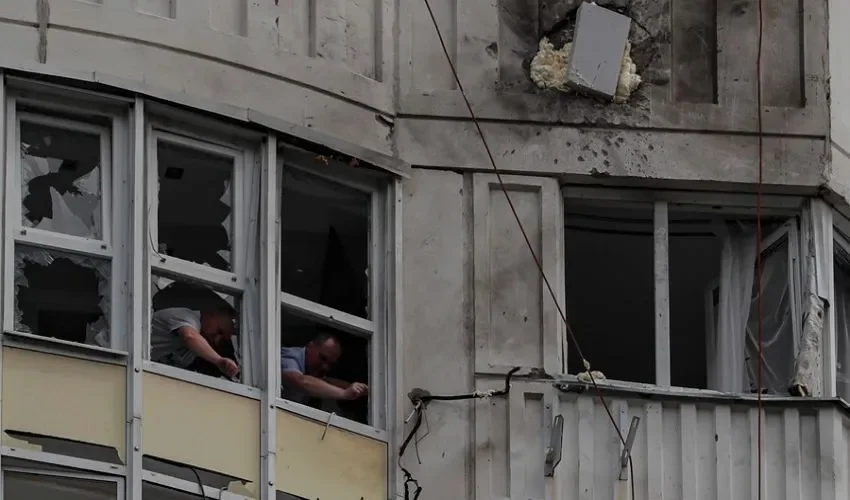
719,204
375,328
246,153
111,249
118,481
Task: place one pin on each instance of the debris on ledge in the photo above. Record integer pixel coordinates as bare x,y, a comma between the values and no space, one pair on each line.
549,70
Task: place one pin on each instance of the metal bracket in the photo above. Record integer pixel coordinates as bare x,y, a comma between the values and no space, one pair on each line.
626,451
553,451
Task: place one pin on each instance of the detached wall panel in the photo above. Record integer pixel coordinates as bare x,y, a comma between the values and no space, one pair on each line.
516,321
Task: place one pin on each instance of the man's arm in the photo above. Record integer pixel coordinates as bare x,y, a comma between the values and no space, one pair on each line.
342,384
193,341
318,388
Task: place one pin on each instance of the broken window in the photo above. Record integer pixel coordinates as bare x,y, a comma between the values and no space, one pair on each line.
204,237
325,237
328,257
61,264
213,314
302,342
62,295
61,174
26,484
610,288
195,202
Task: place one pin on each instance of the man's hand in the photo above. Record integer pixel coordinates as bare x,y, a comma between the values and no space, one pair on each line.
356,391
228,367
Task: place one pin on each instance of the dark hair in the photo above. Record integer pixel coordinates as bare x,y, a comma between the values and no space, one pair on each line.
323,336
223,310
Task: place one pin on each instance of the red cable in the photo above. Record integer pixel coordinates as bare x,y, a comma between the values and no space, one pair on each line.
759,193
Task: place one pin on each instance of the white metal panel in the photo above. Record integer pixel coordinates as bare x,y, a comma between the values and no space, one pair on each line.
683,450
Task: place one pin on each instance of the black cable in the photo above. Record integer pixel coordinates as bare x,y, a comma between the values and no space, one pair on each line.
420,398
537,261
194,470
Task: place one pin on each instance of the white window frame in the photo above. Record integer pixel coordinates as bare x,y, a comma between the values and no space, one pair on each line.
189,487
843,243
714,203
232,282
109,250
790,233
375,329
116,480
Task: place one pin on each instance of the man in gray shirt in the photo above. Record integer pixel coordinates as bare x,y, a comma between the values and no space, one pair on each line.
304,372
179,336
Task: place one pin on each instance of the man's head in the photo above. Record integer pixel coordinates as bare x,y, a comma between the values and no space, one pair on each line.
218,324
322,353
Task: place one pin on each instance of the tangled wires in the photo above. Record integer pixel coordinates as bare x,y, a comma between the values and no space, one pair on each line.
420,398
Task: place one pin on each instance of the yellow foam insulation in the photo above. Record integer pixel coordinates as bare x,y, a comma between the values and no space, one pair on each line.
342,465
549,70
204,427
64,397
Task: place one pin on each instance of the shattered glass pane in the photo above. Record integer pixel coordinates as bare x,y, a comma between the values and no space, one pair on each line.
200,301
325,235
62,295
195,205
61,180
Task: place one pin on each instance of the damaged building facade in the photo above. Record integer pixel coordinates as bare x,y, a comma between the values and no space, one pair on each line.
313,167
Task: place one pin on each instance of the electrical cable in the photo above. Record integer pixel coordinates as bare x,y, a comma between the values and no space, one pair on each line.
202,493
544,278
759,194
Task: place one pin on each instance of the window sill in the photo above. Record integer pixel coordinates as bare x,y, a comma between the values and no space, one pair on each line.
569,384
50,345
332,420
218,384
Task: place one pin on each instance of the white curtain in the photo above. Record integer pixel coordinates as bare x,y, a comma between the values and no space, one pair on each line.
727,359
251,341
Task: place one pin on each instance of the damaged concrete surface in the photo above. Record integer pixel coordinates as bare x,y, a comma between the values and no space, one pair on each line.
548,66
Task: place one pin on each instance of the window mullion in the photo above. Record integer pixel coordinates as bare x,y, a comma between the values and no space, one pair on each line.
11,212
662,294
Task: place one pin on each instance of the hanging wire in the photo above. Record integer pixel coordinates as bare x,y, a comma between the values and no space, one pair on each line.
550,289
759,195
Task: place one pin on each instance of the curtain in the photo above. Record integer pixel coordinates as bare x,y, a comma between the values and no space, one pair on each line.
727,359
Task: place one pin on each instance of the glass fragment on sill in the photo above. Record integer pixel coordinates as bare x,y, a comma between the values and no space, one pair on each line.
195,218
62,295
61,181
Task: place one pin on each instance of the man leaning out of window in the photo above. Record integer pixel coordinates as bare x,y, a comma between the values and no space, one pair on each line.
186,338
304,372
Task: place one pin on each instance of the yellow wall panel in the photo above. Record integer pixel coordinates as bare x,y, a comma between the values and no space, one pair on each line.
343,465
64,397
192,424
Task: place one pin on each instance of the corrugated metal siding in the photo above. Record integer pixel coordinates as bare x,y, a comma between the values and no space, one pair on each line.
693,451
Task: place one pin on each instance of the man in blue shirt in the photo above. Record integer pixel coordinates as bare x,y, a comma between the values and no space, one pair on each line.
304,372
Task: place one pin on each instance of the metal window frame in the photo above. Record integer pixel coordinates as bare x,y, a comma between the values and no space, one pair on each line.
374,330
662,203
131,119
118,481
245,155
113,146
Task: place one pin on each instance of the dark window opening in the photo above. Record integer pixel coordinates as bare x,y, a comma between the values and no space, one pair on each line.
62,295
352,366
325,235
19,485
610,289
195,216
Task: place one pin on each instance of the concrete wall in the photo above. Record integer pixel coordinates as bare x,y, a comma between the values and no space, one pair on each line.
372,72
